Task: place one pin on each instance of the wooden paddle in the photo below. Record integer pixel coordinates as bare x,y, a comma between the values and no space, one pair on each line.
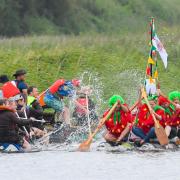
159,130
135,104
85,146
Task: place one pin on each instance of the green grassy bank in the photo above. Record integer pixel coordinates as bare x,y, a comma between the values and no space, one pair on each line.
118,61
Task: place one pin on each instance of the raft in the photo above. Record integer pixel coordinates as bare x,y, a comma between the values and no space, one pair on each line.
15,148
129,146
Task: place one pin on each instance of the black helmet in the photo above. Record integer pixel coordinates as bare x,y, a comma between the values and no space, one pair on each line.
19,72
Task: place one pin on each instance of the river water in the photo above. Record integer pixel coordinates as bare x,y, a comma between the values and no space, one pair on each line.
93,165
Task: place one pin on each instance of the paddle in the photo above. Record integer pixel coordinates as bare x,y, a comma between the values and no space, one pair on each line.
85,146
89,122
135,104
159,130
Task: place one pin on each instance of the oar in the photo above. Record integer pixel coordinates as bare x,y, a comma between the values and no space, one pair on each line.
27,133
135,104
85,146
159,130
49,134
89,122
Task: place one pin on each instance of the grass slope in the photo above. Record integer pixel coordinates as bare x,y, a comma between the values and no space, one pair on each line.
119,61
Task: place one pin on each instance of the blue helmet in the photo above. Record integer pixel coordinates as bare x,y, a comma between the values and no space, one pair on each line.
66,89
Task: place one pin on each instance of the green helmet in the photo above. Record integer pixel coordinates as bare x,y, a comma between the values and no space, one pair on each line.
114,99
174,95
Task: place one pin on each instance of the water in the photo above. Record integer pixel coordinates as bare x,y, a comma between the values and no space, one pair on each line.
93,165
63,163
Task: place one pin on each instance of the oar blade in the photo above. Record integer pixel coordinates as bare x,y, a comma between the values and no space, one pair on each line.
161,135
84,146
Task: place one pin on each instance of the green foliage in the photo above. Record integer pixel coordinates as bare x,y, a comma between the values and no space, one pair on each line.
119,61
20,17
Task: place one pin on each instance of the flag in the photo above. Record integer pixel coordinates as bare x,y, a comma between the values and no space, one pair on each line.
150,61
156,74
160,48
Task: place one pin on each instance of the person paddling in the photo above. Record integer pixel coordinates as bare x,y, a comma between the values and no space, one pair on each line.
53,97
144,126
172,115
80,112
9,131
118,124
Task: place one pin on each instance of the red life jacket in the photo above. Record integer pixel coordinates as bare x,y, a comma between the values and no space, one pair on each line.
117,128
9,89
54,88
83,102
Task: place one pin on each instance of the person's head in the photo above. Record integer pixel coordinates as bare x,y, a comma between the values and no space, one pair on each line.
18,100
3,79
162,101
152,103
175,96
20,75
12,104
33,91
116,98
86,90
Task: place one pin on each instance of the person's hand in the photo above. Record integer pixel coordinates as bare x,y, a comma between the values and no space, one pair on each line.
177,106
158,92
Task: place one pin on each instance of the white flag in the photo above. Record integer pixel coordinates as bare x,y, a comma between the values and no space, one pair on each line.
160,48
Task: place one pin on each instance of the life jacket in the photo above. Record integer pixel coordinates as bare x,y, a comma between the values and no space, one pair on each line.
41,98
117,122
9,89
54,88
83,102
30,100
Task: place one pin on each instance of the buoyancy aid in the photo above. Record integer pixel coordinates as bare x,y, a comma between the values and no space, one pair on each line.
54,88
9,89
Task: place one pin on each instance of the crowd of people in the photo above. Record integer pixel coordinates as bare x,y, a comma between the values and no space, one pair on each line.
139,125
22,113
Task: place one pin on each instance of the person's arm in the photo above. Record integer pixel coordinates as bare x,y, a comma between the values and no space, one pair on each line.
124,133
124,108
19,121
80,106
158,117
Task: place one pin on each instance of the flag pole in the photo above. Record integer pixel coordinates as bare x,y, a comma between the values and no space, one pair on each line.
151,65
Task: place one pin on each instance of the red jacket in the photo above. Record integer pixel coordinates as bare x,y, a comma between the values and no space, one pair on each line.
116,128
145,119
174,120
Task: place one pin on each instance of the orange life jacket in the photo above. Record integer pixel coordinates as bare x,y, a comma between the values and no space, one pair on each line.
54,88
